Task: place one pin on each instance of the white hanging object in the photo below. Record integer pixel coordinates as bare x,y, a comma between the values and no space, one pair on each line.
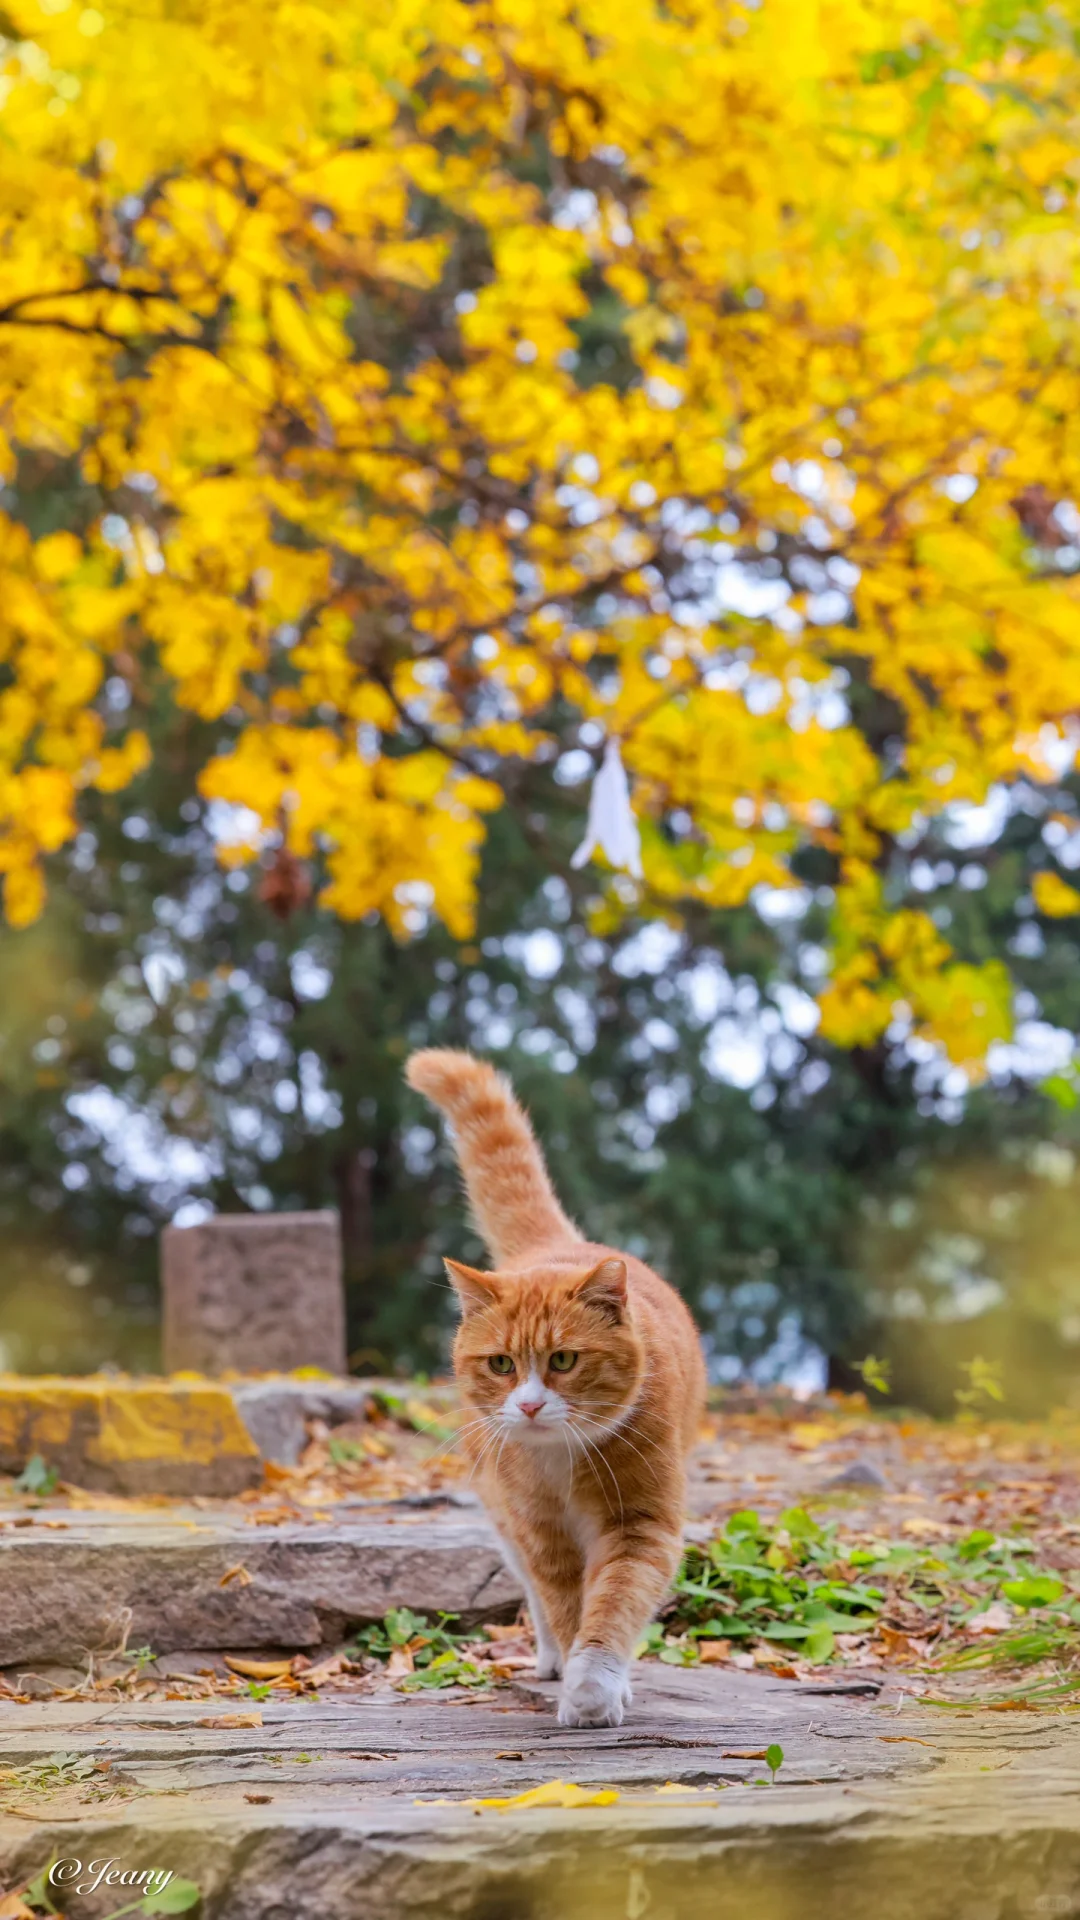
612,828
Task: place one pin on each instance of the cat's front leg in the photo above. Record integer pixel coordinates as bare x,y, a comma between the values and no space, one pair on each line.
596,1689
554,1607
629,1572
549,1662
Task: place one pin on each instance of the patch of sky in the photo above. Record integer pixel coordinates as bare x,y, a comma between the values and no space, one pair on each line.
136,1143
311,979
651,950
540,952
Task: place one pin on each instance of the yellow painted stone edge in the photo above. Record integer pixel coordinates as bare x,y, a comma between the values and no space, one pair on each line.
109,1421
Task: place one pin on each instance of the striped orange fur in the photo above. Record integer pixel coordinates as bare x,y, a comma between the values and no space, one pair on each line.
584,1384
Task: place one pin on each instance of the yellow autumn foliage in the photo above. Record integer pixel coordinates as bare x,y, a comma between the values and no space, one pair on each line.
1054,896
443,375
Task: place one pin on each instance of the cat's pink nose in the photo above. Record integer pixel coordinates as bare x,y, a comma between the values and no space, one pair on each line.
530,1408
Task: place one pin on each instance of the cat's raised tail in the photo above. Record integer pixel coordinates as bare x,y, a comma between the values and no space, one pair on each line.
512,1198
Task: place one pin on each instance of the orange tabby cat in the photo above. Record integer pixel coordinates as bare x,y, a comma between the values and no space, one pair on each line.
584,1382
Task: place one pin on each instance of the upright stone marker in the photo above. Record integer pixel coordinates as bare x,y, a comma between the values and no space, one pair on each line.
261,1292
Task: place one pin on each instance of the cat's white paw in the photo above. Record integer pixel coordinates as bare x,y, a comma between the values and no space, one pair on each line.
596,1690
549,1664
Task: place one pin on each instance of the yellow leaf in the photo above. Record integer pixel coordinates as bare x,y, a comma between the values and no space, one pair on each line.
239,1573
554,1793
24,895
1054,896
57,555
14,1907
118,766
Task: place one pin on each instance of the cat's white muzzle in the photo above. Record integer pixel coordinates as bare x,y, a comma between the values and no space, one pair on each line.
535,1413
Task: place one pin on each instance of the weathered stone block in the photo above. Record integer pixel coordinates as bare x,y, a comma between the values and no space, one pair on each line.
156,1436
258,1292
276,1412
67,1588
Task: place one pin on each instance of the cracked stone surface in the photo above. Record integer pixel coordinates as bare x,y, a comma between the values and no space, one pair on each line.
314,1815
65,1581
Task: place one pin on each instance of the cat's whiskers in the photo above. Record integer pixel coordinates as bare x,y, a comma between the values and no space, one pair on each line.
589,1449
584,1452
461,1435
496,1432
499,1455
443,1449
570,1463
619,1433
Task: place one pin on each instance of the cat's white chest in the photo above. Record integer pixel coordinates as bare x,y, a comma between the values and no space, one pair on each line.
583,1526
580,1519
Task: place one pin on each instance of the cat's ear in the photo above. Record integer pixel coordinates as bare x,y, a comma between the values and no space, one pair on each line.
605,1287
475,1290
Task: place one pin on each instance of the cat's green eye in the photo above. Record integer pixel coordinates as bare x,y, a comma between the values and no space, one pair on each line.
500,1363
562,1361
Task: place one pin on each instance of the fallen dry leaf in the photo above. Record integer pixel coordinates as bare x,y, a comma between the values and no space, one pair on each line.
712,1652
922,1527
14,1907
259,1799
554,1793
239,1573
232,1720
326,1669
399,1663
996,1618
744,1753
259,1669
896,1644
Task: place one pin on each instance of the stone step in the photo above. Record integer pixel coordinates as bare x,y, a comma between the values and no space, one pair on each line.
132,1437
342,1811
206,1578
179,1436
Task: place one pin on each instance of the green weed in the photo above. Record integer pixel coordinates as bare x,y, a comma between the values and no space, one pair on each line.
37,1478
436,1651
795,1586
779,1584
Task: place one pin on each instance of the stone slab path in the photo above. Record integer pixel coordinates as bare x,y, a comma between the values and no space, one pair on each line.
208,1578
882,1806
